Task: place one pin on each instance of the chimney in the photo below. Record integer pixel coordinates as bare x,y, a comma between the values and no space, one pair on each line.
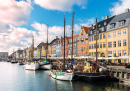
127,10
106,17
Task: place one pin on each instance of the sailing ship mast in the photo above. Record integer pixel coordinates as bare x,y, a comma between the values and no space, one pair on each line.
47,42
96,43
72,35
32,45
64,45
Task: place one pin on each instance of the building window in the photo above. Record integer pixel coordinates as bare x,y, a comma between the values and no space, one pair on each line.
86,35
109,44
86,48
97,45
104,44
114,43
119,43
119,33
109,53
124,52
124,42
89,46
86,41
92,38
109,35
114,53
100,44
122,23
104,36
97,37
92,46
124,32
124,60
119,52
102,29
114,34
112,25
89,39
92,54
114,60
84,54
89,54
100,36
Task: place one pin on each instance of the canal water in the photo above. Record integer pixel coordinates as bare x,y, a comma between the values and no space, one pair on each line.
14,78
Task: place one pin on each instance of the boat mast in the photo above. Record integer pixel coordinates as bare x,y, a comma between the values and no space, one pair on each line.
64,44
32,45
72,35
47,42
96,41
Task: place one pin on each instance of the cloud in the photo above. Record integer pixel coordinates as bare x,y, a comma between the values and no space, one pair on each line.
61,5
119,7
88,22
14,12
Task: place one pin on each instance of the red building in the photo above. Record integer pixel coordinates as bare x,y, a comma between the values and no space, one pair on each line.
66,47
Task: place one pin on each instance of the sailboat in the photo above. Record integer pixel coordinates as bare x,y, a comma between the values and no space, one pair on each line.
91,71
45,65
62,74
21,62
31,64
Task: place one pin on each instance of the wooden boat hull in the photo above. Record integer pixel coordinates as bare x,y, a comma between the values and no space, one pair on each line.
90,76
31,66
46,66
62,76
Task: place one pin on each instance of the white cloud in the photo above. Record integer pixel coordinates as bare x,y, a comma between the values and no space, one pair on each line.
88,22
14,12
62,5
119,7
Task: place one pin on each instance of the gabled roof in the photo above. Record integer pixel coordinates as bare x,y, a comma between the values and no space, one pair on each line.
86,29
75,35
41,44
54,40
120,17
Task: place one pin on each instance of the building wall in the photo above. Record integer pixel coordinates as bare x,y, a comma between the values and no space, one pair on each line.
117,38
58,48
82,43
49,51
102,50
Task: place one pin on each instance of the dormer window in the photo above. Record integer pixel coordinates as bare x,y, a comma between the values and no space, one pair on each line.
93,27
122,22
99,25
112,25
105,23
90,32
102,29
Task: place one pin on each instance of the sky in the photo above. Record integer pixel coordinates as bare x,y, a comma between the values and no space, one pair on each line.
20,19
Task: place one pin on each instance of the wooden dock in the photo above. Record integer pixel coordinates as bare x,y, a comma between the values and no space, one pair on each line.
118,72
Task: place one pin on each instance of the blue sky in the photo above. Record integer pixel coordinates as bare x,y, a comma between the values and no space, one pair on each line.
20,19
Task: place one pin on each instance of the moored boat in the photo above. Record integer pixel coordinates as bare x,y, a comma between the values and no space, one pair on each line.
31,66
62,75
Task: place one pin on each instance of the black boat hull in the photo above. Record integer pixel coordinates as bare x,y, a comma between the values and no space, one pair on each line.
90,76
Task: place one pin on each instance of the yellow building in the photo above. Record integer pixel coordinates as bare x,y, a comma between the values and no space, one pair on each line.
101,38
43,52
49,51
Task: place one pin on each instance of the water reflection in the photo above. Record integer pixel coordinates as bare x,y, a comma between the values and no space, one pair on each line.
14,78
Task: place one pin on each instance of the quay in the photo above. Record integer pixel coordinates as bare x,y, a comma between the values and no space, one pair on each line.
119,72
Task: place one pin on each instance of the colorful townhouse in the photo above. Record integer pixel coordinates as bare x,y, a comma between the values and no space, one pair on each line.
53,47
118,37
74,45
82,41
43,52
101,38
66,47
49,50
58,47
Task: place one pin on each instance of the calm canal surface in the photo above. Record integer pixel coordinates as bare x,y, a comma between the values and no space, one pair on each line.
14,78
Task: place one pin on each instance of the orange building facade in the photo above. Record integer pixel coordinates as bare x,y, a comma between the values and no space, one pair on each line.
82,42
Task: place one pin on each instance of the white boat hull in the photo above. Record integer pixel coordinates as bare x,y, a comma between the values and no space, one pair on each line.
62,76
31,66
46,66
